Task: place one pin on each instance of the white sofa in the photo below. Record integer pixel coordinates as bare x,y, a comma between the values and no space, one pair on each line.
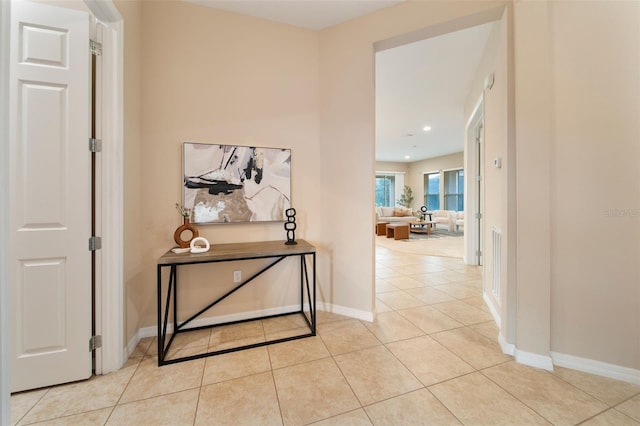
394,214
459,220
444,217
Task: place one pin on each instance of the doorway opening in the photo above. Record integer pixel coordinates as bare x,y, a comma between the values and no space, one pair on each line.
429,120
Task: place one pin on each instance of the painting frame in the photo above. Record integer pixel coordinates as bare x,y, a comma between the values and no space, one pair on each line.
224,183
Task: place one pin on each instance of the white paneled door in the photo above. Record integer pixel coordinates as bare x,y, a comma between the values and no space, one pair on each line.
49,261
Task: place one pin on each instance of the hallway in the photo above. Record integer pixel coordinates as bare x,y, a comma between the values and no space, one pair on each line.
431,357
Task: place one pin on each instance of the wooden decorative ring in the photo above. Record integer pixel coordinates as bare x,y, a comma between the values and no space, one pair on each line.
177,236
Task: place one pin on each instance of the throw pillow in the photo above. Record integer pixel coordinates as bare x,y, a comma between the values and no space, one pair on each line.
401,212
387,211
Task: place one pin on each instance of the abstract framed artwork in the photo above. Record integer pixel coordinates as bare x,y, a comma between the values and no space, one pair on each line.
231,183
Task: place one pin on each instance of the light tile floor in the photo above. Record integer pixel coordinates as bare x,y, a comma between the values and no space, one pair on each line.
431,357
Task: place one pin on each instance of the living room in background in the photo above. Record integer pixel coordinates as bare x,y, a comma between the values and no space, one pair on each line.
454,190
432,190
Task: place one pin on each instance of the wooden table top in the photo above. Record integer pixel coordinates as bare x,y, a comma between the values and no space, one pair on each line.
235,251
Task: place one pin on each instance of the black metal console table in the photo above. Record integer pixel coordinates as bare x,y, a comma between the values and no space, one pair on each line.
274,250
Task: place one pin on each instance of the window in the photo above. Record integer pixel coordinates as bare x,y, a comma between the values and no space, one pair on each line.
454,190
432,191
385,190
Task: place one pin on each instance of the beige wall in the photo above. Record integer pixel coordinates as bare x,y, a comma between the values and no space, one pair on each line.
534,107
134,289
595,291
417,169
387,166
577,117
211,76
499,204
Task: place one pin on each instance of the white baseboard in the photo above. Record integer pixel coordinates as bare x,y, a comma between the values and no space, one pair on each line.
348,312
131,346
220,319
533,360
524,357
599,368
507,348
492,309
585,365
327,307
153,330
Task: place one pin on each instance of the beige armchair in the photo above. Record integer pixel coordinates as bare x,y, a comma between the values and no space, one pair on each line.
444,217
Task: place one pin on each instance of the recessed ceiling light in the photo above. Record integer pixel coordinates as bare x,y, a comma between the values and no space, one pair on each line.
406,157
426,128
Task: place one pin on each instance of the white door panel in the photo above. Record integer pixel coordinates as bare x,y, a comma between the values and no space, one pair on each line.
49,261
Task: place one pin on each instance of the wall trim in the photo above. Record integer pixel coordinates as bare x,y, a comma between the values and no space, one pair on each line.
110,291
591,366
472,157
492,309
446,27
5,26
348,312
534,360
599,368
152,331
131,345
507,348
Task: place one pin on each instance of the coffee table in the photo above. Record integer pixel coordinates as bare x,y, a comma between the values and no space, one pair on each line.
381,228
421,226
398,231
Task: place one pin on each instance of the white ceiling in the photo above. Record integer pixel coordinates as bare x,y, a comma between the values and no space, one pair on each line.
310,14
426,83
418,84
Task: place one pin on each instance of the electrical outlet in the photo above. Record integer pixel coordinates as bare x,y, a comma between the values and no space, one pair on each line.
237,276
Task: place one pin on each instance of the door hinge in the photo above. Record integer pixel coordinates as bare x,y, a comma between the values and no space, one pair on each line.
478,178
95,145
478,253
95,48
95,243
478,215
95,342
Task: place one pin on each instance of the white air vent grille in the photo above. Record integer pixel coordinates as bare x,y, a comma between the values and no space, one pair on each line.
496,251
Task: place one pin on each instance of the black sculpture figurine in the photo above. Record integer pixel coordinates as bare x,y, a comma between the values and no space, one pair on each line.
290,226
423,212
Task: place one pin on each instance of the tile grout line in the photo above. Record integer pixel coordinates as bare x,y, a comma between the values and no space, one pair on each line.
475,370
511,394
204,369
275,386
438,343
18,423
594,396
